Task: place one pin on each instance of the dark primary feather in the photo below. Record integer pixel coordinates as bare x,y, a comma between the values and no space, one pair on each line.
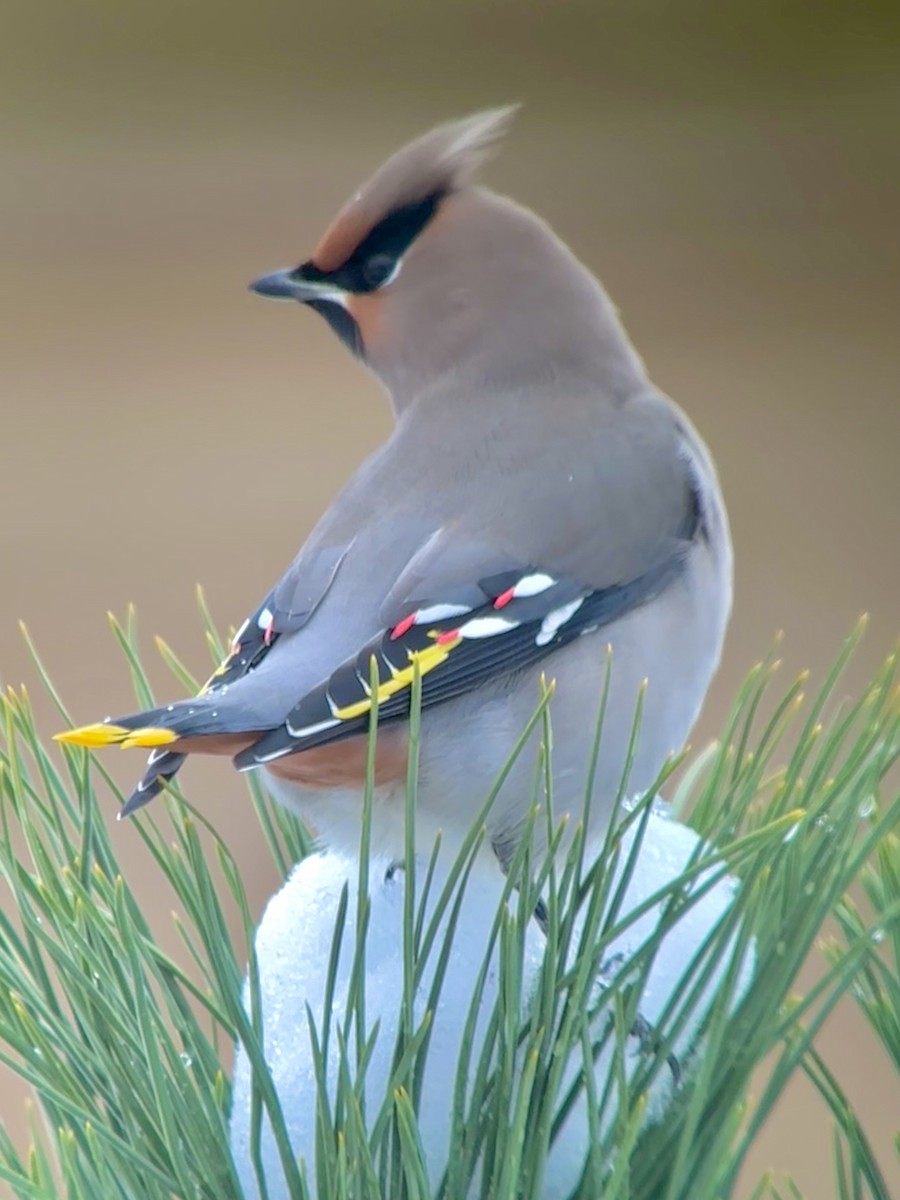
286,608
250,645
468,664
447,568
161,769
312,722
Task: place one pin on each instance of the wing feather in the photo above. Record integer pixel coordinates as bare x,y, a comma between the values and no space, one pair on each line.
452,656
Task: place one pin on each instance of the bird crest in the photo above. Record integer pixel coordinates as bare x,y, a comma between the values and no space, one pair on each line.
442,161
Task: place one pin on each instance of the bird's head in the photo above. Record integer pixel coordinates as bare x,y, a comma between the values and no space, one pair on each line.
423,272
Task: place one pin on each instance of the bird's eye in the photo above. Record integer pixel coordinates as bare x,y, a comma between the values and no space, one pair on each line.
378,269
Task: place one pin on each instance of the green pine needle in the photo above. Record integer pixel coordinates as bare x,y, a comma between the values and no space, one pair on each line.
123,1045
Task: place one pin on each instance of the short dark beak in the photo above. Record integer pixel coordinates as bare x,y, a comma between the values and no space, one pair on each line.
289,285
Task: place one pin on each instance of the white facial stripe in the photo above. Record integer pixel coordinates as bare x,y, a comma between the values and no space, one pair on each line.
533,585
558,617
393,275
333,295
440,612
484,627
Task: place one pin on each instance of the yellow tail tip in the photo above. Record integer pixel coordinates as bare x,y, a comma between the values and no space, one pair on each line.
149,736
93,736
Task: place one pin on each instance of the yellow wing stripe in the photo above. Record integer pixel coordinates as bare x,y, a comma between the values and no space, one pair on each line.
426,660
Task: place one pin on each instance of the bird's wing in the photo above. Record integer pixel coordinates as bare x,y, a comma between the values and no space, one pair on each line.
286,608
493,593
495,619
514,576
456,632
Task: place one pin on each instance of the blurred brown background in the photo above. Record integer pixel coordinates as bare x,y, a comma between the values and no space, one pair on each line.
731,171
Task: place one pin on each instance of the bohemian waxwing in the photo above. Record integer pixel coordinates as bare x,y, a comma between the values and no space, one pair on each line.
537,501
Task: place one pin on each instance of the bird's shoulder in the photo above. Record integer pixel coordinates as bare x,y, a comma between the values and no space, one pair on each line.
560,475
591,492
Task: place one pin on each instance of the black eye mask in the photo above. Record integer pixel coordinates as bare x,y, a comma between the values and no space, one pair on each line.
375,259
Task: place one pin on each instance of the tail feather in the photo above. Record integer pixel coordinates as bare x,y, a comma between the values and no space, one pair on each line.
203,723
162,767
153,728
